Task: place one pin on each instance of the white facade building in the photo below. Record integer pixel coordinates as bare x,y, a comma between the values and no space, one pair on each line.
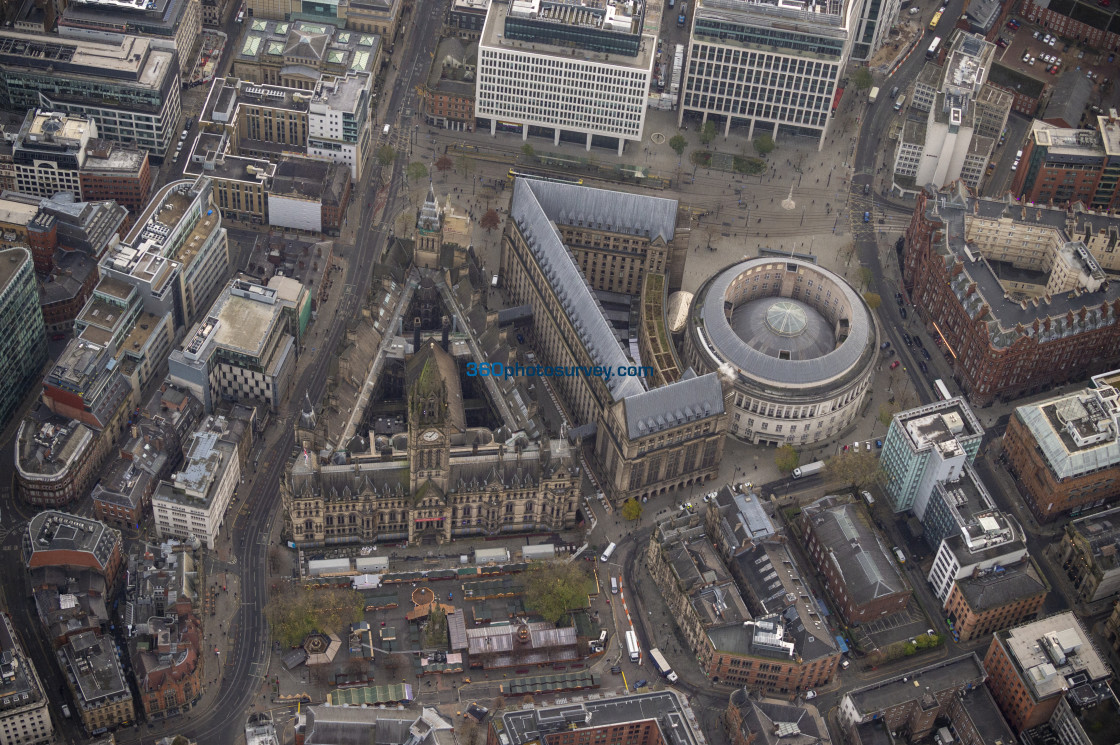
24,716
986,544
194,502
567,71
339,123
775,63
964,121
290,211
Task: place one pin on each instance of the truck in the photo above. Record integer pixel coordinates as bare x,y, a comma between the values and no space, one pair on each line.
662,665
678,67
900,102
874,95
808,469
632,647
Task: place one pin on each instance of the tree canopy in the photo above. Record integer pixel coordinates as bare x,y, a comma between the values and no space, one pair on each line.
490,220
444,164
417,170
786,458
678,143
631,509
386,155
857,468
296,611
862,79
764,144
873,300
553,589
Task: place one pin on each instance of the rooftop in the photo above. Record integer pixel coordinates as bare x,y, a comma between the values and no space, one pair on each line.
135,60
119,15
960,673
1101,532
941,425
19,684
673,718
242,320
92,661
12,260
996,589
52,531
858,555
51,445
55,128
1077,432
320,45
105,156
1054,654
209,453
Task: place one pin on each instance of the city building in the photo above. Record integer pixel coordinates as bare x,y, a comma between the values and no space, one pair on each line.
1013,292
1087,716
965,117
1090,555
240,183
647,440
989,541
437,481
49,151
1064,452
1112,628
130,88
448,100
71,542
215,13
1065,166
466,18
910,703
245,348
310,195
16,211
93,673
989,601
193,503
25,718
1096,30
1027,92
66,290
694,581
63,224
860,574
23,339
1032,667
926,446
768,721
643,719
787,618
171,24
114,172
578,74
53,463
340,725
774,64
294,54
168,662
1068,106
873,27
340,120
799,342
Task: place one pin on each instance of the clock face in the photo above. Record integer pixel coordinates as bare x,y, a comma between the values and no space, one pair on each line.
430,436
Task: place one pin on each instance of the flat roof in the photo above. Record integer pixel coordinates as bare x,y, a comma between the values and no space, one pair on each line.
51,531
1048,654
673,717
134,59
92,661
11,261
951,674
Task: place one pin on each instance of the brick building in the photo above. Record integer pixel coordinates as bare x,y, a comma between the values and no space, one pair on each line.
1064,452
1026,92
66,289
1017,300
861,577
169,665
1094,27
114,172
58,539
1063,166
93,672
995,599
1090,555
448,97
1031,667
909,704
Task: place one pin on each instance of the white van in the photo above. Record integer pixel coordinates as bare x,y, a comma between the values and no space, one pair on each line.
614,585
385,131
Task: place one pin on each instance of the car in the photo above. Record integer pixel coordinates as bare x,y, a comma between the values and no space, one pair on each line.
894,90
520,339
184,134
844,449
616,669
810,695
885,345
867,217
1031,61
844,664
898,296
925,353
894,364
1053,40
1026,57
923,366
1001,42
879,444
1036,34
1053,70
899,300
931,632
906,338
890,353
918,341
641,684
867,445
866,189
902,312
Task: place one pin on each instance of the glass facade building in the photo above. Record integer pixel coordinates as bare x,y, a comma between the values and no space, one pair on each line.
23,336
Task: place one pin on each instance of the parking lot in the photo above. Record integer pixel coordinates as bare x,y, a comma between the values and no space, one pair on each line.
881,633
1046,56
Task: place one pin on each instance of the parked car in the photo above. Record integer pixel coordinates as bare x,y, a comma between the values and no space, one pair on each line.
810,695
907,340
641,684
879,444
923,366
894,364
902,312
925,353
867,217
884,345
918,341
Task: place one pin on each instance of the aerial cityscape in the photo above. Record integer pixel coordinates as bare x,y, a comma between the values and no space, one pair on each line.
559,372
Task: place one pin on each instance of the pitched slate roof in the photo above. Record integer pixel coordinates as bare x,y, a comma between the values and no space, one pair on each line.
862,560
690,398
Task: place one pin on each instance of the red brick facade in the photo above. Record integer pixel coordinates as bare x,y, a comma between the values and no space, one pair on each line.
130,190
1098,37
332,214
984,371
1011,693
1060,183
971,623
768,673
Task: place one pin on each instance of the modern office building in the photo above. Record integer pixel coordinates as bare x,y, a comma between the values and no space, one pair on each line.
910,702
1064,451
73,227
1032,667
648,439
23,338
859,572
643,719
965,117
240,182
799,343
924,446
1090,555
772,64
94,675
193,503
25,718
129,88
171,24
1013,291
339,120
1065,166
294,54
244,349
873,26
986,544
575,73
988,601
1086,720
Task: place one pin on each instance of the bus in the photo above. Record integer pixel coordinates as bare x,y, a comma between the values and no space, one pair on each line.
540,177
607,554
939,386
935,20
934,45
